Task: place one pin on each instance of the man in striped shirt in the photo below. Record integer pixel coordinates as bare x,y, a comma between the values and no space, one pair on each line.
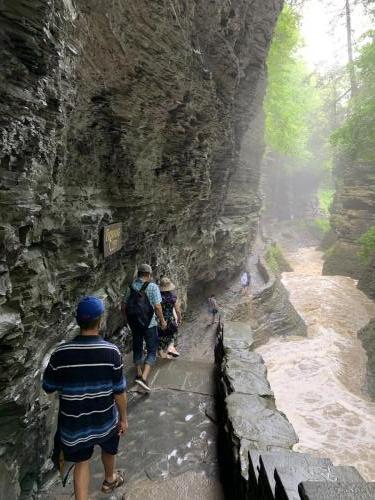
87,373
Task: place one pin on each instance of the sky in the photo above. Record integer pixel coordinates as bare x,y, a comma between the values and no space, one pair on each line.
324,31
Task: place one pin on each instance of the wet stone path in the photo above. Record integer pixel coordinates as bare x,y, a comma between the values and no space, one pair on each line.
170,450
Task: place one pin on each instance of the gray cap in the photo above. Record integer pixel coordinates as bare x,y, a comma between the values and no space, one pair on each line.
144,268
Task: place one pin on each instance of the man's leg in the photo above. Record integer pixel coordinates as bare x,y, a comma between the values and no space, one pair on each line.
152,342
138,351
82,480
109,462
109,452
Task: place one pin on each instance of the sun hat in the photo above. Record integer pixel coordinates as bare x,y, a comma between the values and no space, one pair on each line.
89,308
166,285
144,268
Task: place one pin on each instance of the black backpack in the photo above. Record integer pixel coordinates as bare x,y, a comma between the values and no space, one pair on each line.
139,311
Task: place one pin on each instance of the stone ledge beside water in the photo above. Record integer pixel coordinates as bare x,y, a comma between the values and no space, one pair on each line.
249,415
257,439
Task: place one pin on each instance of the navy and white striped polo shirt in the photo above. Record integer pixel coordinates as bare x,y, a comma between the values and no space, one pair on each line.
86,372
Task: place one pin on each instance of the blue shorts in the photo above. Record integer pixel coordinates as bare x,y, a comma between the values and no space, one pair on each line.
151,338
110,446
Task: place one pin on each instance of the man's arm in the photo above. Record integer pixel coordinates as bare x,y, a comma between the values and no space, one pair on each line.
156,300
121,403
159,313
119,394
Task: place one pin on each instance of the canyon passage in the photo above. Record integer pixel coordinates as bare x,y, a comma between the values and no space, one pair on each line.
174,133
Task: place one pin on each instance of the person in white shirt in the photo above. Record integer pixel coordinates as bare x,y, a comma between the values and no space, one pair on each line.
245,282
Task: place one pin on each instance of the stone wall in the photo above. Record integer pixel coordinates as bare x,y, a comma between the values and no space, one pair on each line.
148,114
250,419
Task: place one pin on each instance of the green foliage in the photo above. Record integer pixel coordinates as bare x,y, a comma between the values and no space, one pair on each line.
357,135
322,225
317,227
275,259
292,98
326,199
367,242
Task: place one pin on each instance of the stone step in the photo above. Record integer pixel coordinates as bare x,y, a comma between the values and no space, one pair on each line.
254,456
280,473
287,487
293,467
323,490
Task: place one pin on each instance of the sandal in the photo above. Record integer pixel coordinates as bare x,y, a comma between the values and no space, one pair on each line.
174,354
108,487
164,355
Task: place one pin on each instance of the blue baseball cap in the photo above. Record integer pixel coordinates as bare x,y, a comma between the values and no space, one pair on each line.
89,308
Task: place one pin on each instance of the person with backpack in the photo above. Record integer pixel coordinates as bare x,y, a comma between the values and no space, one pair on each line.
142,307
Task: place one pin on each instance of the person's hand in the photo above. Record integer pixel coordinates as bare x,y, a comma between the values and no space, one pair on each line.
163,325
122,426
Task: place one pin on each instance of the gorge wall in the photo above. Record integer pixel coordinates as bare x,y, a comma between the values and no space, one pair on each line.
148,114
353,213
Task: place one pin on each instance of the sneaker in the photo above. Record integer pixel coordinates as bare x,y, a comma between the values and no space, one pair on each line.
173,351
139,380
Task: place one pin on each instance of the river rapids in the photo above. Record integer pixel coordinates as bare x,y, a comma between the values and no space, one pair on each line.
318,380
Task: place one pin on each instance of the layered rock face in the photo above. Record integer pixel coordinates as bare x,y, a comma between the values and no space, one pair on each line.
147,114
367,336
353,213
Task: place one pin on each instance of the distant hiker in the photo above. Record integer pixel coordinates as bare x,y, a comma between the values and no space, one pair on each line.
142,303
87,372
172,315
212,308
245,282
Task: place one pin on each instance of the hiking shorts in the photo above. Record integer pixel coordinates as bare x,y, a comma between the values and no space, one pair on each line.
110,446
150,336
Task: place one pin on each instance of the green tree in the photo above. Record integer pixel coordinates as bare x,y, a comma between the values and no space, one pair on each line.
356,136
292,97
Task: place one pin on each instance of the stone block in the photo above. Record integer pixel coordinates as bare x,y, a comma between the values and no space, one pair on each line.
256,419
322,490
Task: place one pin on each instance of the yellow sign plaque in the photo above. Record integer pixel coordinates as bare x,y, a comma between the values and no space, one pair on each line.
112,239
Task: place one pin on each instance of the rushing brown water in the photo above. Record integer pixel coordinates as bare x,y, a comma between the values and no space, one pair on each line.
318,380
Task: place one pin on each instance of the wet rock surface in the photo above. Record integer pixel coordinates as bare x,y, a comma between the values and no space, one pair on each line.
367,337
249,419
272,309
320,490
171,446
146,115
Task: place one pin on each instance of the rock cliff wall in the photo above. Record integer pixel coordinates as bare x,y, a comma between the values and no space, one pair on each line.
367,337
143,113
353,213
